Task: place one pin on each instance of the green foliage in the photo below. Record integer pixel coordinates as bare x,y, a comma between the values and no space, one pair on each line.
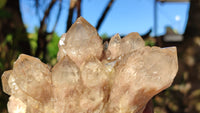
1,65
33,41
5,14
52,49
52,46
2,3
3,48
9,38
104,36
149,43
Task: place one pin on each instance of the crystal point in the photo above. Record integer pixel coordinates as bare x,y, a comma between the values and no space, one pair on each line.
114,47
31,75
131,42
145,76
5,78
15,105
66,82
80,42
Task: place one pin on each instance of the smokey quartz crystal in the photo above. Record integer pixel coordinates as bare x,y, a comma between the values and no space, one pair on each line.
90,78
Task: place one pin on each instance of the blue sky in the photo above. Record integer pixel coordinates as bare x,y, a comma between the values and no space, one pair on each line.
124,17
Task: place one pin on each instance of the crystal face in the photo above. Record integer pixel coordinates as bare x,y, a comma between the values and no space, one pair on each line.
91,78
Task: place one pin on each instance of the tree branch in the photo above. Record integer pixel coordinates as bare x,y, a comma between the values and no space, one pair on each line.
104,14
70,15
78,6
37,6
42,42
58,16
46,14
193,24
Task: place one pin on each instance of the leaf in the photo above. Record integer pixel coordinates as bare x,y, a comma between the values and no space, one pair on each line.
52,48
2,3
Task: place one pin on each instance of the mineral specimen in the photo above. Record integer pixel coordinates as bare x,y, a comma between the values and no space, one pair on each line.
91,78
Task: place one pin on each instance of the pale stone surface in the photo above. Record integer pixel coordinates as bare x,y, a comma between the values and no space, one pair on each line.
15,105
114,50
31,75
96,85
131,42
66,85
139,76
121,78
5,78
80,42
119,47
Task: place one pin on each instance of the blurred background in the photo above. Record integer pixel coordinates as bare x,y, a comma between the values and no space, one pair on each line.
34,27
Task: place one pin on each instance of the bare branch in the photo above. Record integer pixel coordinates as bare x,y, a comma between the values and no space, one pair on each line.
46,14
37,6
104,14
78,6
42,42
58,16
70,15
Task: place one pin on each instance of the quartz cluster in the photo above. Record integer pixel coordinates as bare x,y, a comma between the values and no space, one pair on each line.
91,77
